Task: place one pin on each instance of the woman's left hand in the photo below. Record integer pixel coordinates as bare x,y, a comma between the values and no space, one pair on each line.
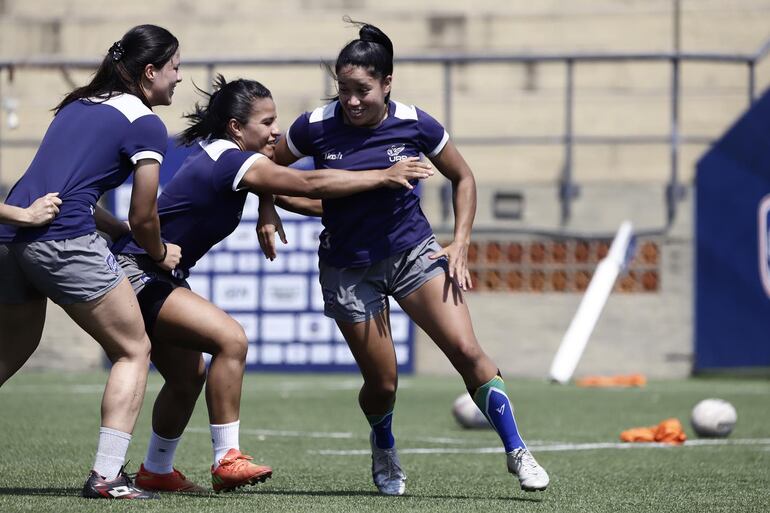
268,225
456,254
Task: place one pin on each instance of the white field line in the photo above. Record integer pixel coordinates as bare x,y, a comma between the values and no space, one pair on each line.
559,447
264,433
539,446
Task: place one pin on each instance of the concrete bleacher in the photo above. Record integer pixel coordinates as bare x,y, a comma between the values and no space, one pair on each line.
618,181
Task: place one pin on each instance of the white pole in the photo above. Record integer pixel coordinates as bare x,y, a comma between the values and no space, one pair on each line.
591,306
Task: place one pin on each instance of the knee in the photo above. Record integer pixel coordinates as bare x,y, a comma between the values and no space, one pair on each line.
466,353
234,343
383,388
137,350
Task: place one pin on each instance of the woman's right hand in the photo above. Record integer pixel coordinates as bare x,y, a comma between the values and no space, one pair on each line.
412,168
44,209
173,256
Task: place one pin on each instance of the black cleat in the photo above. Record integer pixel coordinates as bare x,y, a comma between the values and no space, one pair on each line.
121,487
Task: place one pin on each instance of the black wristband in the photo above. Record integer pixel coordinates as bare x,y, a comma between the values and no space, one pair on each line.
165,252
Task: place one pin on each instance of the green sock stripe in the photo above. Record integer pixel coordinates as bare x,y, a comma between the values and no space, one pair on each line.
376,419
480,396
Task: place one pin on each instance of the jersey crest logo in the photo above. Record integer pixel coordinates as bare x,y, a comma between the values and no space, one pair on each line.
394,153
395,150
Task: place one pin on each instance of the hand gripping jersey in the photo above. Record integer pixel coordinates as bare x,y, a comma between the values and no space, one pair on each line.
202,204
369,226
90,147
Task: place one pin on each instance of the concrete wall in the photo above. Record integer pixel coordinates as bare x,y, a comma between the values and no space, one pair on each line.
649,333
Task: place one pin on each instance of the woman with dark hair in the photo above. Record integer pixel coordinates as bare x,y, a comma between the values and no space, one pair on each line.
379,243
201,205
100,134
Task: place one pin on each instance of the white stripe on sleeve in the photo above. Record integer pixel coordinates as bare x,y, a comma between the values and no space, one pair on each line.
293,149
147,154
245,167
440,145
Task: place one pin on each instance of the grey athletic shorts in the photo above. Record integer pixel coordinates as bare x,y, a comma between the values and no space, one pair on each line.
68,271
355,294
142,271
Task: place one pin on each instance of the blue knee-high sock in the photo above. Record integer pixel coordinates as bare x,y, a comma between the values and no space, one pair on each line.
494,403
381,427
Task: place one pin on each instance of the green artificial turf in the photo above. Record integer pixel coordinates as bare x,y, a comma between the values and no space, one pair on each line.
309,429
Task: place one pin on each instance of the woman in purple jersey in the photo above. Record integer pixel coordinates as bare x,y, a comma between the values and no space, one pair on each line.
40,212
100,133
395,253
199,207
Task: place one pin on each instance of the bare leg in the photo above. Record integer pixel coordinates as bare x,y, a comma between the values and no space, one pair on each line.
439,309
187,320
372,347
115,321
21,326
184,372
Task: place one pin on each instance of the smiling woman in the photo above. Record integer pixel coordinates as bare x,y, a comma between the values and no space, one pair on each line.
101,133
236,131
379,244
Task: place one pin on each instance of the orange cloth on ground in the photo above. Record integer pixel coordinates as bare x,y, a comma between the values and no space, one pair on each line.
621,380
668,431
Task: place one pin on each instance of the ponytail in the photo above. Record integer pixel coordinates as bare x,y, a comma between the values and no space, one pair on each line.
373,51
122,68
230,100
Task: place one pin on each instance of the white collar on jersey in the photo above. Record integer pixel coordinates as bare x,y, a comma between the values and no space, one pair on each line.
217,147
127,104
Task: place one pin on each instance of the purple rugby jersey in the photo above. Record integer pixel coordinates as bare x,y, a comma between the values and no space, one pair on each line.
369,226
202,204
89,148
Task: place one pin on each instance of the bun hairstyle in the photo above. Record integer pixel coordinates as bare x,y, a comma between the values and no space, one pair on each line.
122,68
373,51
230,100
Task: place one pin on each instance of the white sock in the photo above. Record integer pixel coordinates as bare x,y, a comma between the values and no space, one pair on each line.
111,452
160,454
223,438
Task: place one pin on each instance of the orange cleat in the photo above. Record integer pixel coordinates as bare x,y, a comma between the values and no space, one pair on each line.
235,470
174,481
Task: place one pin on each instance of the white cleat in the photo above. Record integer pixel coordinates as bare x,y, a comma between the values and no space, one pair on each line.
387,473
523,465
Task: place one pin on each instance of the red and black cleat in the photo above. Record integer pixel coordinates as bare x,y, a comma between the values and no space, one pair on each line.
121,487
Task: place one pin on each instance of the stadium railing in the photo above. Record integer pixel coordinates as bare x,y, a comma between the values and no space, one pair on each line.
568,187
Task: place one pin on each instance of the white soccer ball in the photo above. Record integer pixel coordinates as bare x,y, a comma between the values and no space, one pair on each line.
467,413
713,418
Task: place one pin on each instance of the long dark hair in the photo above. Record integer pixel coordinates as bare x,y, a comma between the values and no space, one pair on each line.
122,68
230,100
373,51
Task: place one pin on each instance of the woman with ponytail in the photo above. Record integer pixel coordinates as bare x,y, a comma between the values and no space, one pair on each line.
379,243
235,132
100,134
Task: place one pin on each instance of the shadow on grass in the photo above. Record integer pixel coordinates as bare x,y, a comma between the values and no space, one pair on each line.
42,492
75,492
359,493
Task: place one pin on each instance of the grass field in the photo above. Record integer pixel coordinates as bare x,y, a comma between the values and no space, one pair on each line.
309,429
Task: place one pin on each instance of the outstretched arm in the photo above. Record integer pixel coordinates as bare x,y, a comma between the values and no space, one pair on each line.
264,175
40,212
451,164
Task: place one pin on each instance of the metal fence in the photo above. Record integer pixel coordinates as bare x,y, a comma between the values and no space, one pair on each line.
568,187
